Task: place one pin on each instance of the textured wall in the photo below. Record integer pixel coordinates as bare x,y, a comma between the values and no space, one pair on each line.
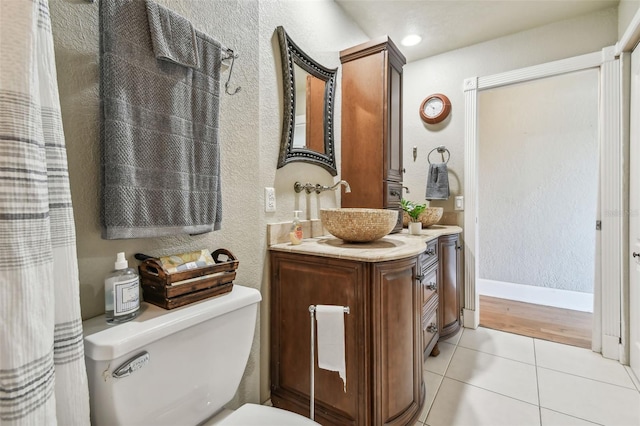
250,137
445,74
538,182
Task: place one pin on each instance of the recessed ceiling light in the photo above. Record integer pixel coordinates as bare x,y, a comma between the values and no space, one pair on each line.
411,40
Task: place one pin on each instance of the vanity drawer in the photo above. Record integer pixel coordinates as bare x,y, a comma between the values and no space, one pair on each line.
429,283
429,256
430,331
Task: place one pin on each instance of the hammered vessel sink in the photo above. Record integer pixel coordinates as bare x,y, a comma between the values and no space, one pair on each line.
430,216
358,225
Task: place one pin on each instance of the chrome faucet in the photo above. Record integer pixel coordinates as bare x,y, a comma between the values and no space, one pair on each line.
309,188
320,188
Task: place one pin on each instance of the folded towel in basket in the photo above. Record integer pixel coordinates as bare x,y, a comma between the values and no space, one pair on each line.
437,182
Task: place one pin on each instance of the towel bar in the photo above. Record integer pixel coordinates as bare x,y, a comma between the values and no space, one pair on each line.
312,311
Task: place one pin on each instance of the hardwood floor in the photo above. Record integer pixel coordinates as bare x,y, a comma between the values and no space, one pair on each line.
543,322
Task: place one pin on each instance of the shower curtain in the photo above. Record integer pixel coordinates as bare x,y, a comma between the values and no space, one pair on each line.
42,374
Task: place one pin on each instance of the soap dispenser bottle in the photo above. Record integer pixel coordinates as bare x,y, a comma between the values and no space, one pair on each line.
121,292
296,229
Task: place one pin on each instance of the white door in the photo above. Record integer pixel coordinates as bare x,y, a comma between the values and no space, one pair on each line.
634,217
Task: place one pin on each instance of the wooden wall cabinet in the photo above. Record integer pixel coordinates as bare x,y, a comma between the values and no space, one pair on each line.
383,338
449,287
371,144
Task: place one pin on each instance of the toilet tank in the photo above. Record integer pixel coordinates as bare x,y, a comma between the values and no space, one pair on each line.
170,367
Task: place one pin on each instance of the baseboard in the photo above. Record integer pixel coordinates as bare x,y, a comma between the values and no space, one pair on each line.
611,347
565,299
471,319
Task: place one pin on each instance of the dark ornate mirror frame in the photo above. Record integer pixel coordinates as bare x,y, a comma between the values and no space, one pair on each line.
291,54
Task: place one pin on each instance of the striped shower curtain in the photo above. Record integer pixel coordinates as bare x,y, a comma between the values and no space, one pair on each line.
42,374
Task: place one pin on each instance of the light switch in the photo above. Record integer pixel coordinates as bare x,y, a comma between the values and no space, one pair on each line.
459,202
269,200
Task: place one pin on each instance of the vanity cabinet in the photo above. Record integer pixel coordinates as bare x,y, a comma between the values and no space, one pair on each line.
449,287
383,335
372,125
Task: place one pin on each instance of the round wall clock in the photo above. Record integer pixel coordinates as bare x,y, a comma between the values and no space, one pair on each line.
435,108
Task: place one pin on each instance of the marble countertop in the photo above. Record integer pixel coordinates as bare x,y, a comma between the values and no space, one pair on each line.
390,247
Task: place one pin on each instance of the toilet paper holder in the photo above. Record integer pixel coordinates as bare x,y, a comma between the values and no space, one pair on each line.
312,312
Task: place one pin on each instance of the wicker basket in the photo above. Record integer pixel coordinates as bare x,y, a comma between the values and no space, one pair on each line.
181,288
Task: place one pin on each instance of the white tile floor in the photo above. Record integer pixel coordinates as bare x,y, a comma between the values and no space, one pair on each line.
488,377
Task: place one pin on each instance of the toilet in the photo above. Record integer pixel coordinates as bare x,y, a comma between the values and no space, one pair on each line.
177,367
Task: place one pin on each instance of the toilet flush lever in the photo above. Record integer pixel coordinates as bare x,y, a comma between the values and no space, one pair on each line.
135,363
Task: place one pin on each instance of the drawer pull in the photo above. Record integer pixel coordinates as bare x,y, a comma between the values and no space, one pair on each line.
431,286
432,328
430,252
420,277
394,193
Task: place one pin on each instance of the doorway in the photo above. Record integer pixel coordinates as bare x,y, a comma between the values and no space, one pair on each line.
537,206
610,248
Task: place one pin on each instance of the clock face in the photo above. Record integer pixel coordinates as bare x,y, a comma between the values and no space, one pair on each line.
433,107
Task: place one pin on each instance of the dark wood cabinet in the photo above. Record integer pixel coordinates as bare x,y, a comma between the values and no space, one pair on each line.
383,336
449,287
371,144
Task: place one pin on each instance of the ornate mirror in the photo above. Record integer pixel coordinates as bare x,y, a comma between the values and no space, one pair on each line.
307,126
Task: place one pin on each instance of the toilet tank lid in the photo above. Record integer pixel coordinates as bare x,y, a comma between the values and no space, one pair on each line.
103,342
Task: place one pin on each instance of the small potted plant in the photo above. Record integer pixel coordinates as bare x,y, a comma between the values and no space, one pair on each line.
413,210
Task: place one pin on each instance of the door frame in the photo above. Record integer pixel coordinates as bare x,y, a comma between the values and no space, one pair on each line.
632,314
609,282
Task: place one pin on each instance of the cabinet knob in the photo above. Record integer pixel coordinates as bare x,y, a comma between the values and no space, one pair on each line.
432,328
431,286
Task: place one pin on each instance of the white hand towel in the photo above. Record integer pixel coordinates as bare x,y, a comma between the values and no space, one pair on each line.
330,321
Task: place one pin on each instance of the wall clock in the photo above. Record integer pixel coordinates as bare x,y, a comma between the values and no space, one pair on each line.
435,108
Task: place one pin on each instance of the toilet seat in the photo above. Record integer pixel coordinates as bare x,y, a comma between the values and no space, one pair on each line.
254,414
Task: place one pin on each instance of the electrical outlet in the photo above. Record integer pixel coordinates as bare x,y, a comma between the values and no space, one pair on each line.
459,202
269,200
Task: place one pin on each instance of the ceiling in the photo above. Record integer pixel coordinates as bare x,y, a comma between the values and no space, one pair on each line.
451,24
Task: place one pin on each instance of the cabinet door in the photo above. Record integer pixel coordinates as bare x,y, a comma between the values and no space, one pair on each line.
363,126
397,336
449,288
393,160
298,281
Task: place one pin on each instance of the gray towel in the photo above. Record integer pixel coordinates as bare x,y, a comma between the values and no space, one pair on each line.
160,155
173,37
437,182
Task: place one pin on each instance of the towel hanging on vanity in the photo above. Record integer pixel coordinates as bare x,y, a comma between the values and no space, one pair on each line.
159,132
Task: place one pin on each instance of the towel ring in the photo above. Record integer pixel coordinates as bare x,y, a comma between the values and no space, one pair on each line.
441,150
